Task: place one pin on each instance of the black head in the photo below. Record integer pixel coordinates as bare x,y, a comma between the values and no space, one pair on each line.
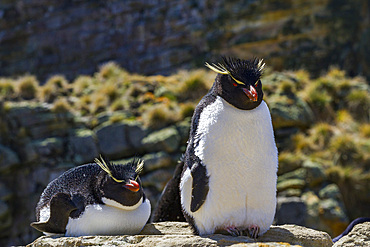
121,185
238,81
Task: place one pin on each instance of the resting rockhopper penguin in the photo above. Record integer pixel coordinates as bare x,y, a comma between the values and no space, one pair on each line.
94,199
227,178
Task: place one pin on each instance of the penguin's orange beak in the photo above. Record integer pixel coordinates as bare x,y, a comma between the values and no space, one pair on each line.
251,93
133,186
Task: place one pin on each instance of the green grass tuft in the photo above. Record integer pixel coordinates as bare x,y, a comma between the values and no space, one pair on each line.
27,87
7,89
159,116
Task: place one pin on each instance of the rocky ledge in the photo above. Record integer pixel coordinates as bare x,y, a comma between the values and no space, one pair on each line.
179,234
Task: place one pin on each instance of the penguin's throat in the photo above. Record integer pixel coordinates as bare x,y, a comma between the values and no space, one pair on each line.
113,203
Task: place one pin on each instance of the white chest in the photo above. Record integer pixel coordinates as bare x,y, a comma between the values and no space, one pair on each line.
107,220
238,149
231,139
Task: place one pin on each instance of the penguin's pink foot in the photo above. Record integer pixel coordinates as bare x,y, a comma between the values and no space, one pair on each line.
233,231
253,231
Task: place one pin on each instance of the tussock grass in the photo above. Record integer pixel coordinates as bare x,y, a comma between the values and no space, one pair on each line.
26,87
7,88
159,116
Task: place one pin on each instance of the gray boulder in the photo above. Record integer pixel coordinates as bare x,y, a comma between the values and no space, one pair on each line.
167,139
8,158
290,210
120,139
83,146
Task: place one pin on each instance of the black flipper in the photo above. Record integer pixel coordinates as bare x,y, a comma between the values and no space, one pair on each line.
200,186
78,201
169,205
61,206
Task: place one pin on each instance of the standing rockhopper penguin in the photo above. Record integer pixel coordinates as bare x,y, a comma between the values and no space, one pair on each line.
94,199
227,180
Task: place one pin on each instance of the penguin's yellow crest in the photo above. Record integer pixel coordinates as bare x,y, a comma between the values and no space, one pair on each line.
103,165
107,167
221,69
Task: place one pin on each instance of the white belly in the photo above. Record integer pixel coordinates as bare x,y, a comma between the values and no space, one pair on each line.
107,220
239,151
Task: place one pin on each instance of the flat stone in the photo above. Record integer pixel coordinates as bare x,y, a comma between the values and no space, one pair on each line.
290,184
290,210
8,158
289,112
83,146
158,160
179,234
136,132
157,179
167,139
120,140
315,173
330,191
112,140
5,216
48,147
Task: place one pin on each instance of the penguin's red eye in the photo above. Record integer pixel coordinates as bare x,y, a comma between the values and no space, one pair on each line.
234,84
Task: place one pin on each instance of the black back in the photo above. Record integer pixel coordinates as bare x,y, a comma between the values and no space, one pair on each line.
82,180
169,205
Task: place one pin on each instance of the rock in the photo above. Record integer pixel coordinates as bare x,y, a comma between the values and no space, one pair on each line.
289,111
312,202
290,184
28,153
333,215
311,174
136,133
120,139
167,228
325,213
283,136
358,237
157,179
330,191
44,150
184,128
158,160
167,139
299,173
288,162
83,146
46,124
315,173
112,140
24,113
292,180
49,147
5,193
5,217
8,158
179,234
290,210
290,193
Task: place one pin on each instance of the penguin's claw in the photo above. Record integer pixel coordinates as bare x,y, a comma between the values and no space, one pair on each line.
233,231
253,231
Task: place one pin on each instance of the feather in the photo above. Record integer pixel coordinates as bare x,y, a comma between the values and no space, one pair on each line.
116,170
